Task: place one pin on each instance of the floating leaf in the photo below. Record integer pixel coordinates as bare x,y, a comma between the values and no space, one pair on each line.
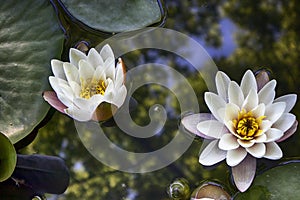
282,182
29,37
8,158
45,174
116,15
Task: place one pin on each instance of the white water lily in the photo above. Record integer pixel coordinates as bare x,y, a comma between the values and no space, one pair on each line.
246,123
89,86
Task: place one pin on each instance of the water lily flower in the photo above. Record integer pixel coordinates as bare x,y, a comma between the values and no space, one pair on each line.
89,87
245,123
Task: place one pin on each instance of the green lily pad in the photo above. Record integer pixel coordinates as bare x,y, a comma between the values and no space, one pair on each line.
8,158
282,182
115,15
29,37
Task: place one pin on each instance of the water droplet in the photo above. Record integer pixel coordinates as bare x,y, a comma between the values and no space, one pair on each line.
157,109
37,198
179,189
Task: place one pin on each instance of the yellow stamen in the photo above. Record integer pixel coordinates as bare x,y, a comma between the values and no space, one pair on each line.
247,126
87,91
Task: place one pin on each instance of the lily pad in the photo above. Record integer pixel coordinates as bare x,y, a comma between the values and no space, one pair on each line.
8,158
29,37
282,182
115,15
44,174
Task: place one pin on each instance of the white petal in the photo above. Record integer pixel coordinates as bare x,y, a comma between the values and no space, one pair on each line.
95,101
109,94
261,138
109,68
222,113
88,105
99,74
258,150
81,103
212,154
190,123
222,81
289,99
214,103
67,90
62,82
109,98
106,52
273,151
119,75
75,56
289,132
267,94
86,71
275,111
235,156
246,143
212,128
259,110
78,114
284,122
54,84
65,100
76,88
58,69
120,96
231,112
273,134
71,72
230,127
228,142
235,94
248,83
94,58
265,125
110,85
243,174
251,101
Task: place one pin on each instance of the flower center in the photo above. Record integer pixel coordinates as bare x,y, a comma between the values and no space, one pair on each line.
93,88
247,126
